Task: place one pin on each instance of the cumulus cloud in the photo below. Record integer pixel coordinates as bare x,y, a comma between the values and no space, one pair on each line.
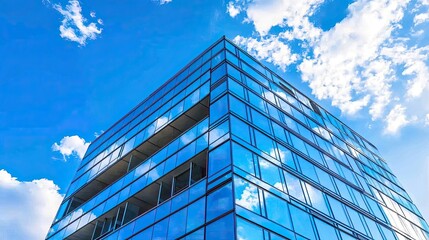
367,61
71,145
74,26
162,2
396,119
27,208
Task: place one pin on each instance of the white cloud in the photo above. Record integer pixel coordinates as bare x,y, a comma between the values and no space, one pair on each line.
367,61
73,26
421,18
71,145
396,119
232,9
162,2
27,208
266,14
270,49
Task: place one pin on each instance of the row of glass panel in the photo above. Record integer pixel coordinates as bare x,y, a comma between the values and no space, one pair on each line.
284,181
240,129
238,89
175,218
158,98
144,174
345,130
141,136
273,207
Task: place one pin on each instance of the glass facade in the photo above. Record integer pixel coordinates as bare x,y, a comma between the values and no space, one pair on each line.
226,149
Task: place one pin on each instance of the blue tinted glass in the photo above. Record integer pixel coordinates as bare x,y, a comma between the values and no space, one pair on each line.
317,199
242,158
237,107
246,195
233,72
179,201
218,58
197,235
307,169
219,158
294,186
302,222
236,88
338,210
146,234
160,230
218,109
222,229
218,91
277,210
196,215
286,156
247,230
326,231
355,218
219,201
240,129
218,73
176,227
270,174
264,143
163,210
260,121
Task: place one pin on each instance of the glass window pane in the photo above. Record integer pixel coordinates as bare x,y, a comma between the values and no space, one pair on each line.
317,199
246,195
277,210
197,235
218,109
222,229
294,186
219,201
247,230
146,234
219,158
302,222
270,174
264,143
242,158
196,215
176,226
160,230
260,121
338,210
240,129
326,231
237,107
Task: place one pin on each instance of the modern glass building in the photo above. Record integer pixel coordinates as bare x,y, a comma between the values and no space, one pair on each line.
226,149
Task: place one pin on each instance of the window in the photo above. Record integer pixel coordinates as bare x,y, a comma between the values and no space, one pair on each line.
326,231
246,195
243,158
196,215
294,186
277,210
270,174
219,201
219,158
302,222
222,229
316,198
247,230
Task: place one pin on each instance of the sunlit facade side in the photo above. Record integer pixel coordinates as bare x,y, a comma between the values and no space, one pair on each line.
226,149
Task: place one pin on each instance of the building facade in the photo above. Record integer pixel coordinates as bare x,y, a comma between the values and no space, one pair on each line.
226,149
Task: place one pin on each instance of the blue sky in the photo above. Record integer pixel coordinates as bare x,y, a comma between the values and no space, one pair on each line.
70,69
